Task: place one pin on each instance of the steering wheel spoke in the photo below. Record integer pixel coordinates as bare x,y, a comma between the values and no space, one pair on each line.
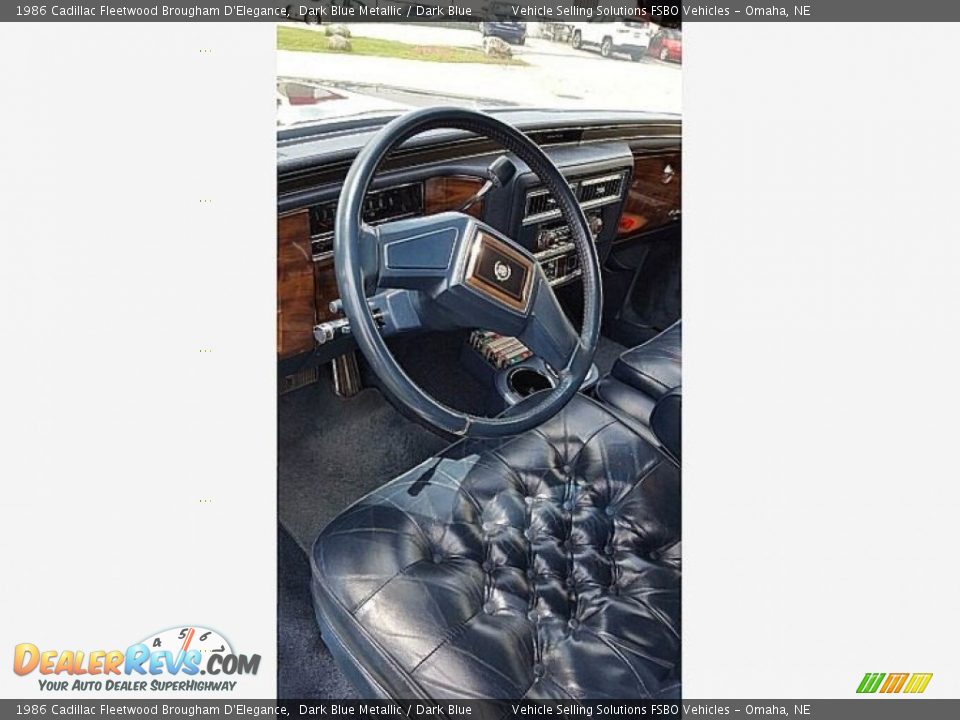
418,253
548,331
368,257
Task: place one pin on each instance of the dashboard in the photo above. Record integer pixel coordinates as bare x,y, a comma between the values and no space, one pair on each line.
625,172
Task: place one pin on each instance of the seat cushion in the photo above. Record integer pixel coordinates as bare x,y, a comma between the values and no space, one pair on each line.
541,566
654,367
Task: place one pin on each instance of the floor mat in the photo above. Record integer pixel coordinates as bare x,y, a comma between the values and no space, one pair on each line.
333,451
607,353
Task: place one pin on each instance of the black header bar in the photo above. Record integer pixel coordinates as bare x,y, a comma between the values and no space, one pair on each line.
562,11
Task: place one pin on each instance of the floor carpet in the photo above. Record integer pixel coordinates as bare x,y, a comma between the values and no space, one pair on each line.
333,451
607,353
305,668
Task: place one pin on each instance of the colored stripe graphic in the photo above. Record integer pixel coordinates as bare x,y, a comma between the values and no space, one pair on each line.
894,683
870,682
918,682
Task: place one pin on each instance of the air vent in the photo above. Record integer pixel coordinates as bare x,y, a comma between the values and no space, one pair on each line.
299,379
322,217
321,244
540,203
393,203
592,192
599,191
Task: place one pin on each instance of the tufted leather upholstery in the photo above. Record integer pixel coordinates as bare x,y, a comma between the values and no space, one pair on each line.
545,565
654,367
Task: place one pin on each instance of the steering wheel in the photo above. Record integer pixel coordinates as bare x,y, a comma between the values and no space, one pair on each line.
449,271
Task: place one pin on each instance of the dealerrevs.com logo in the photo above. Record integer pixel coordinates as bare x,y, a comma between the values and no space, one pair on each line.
177,659
887,684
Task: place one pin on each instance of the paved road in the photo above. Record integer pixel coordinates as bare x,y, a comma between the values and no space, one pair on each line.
556,75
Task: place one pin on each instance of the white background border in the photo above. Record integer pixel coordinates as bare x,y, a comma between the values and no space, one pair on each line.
138,380
821,357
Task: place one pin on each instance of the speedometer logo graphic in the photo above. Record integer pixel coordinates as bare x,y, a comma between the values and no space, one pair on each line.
182,639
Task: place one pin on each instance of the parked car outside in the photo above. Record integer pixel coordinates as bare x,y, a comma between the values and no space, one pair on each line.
667,45
627,38
512,32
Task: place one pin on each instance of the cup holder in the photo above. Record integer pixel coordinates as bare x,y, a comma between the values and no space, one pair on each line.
525,382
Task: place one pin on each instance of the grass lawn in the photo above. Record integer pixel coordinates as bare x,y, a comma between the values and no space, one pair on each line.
289,38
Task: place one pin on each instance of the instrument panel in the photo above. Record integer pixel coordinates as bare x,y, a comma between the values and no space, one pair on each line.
618,204
306,282
392,203
552,240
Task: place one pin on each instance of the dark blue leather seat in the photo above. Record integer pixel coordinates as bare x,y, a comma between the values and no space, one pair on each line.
645,385
545,565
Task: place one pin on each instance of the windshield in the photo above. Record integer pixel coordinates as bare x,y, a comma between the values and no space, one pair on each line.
366,69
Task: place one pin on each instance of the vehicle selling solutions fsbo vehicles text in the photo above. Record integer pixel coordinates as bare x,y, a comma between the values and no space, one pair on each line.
632,11
562,10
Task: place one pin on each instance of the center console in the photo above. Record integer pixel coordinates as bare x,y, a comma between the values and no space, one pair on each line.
544,231
503,364
509,369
